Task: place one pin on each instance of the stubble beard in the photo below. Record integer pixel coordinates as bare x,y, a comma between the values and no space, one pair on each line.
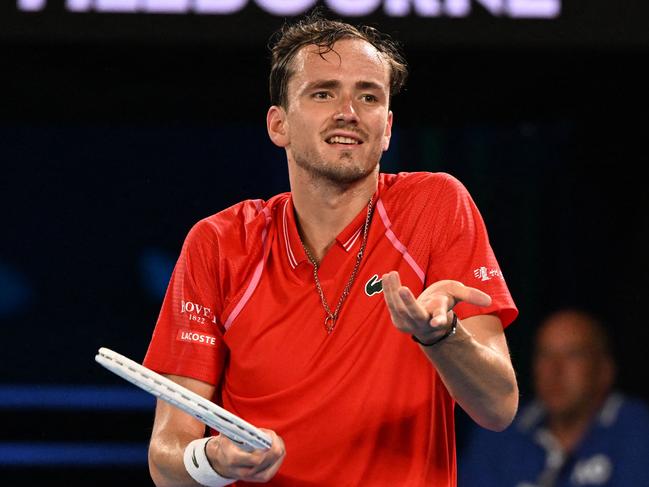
343,172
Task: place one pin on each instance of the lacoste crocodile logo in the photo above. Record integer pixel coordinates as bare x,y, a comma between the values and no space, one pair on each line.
374,285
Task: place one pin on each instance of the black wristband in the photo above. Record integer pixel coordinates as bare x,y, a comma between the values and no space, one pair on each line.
451,331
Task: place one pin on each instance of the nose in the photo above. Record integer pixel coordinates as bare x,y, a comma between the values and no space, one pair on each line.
550,366
346,113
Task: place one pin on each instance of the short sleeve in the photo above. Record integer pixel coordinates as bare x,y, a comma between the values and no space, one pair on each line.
462,252
188,337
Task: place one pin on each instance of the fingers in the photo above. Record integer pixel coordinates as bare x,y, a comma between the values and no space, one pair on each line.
390,283
433,305
412,307
402,305
438,307
228,460
467,294
455,292
271,461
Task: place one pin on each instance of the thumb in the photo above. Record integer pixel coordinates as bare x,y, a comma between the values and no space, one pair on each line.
476,297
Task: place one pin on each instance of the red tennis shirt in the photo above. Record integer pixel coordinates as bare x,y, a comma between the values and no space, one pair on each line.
361,406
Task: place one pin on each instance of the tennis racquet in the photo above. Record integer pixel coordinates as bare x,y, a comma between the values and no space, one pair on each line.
245,435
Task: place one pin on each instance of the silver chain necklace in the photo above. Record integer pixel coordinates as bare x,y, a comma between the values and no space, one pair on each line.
330,318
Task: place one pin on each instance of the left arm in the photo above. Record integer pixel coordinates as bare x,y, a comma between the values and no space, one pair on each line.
474,362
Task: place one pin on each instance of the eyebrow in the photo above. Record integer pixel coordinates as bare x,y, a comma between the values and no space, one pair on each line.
368,85
334,83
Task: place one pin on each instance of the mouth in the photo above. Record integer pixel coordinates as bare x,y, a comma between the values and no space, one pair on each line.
343,140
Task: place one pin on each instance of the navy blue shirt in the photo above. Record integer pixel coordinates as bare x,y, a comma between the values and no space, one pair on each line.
613,453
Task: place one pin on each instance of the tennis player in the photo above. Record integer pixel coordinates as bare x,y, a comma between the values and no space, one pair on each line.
345,318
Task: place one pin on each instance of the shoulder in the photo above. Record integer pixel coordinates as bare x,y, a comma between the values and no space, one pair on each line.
403,181
422,189
235,216
236,225
625,411
425,195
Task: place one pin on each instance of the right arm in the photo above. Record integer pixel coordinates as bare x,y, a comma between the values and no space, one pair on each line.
174,429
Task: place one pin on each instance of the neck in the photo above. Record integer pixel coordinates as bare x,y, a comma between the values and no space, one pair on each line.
570,427
569,431
323,209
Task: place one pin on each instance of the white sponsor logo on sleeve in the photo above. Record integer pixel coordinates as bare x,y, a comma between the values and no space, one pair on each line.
195,337
486,274
197,312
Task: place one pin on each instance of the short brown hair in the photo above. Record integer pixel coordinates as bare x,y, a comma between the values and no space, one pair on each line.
325,33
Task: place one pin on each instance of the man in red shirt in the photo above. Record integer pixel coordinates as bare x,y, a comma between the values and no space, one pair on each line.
346,317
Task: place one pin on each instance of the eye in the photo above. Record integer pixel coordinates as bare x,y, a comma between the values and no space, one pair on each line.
369,98
321,95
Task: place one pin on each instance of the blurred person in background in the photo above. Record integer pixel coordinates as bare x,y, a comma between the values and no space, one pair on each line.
578,430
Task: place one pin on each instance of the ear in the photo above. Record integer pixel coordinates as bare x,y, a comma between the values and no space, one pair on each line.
277,126
388,132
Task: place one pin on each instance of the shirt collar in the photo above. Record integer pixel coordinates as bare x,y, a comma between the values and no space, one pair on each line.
534,414
294,250
292,244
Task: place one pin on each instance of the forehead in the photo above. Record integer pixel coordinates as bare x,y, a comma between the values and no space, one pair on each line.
350,59
567,333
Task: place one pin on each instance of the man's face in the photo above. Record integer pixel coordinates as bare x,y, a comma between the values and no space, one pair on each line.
338,121
571,372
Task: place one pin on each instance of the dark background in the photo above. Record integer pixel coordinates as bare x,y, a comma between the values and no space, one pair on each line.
118,132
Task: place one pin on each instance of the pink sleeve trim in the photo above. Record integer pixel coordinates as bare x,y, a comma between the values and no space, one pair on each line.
256,276
396,243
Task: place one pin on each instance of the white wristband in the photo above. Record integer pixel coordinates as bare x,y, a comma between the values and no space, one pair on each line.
199,467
